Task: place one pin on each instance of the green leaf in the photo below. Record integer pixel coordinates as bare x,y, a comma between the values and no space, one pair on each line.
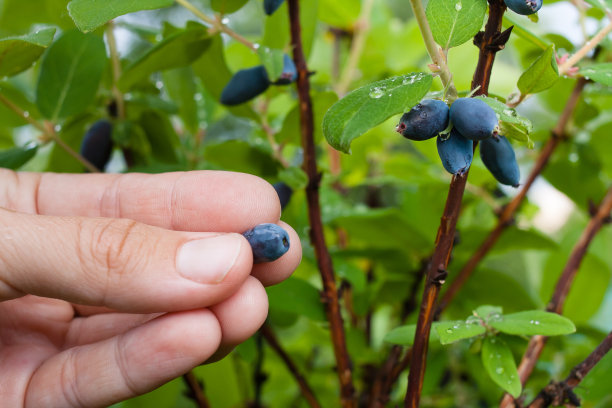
294,177
601,73
541,75
450,332
339,13
19,53
297,296
455,22
227,6
70,74
272,60
500,365
370,105
91,14
487,311
404,335
181,87
532,322
511,123
179,49
17,156
161,135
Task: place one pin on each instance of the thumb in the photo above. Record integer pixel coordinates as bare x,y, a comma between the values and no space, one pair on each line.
118,263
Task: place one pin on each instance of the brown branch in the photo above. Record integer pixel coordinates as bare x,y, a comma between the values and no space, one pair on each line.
564,283
317,238
489,42
307,392
558,392
196,391
505,219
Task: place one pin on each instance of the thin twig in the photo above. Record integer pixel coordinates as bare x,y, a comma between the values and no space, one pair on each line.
564,283
48,132
489,43
307,392
217,24
196,391
558,392
116,68
317,238
505,219
586,48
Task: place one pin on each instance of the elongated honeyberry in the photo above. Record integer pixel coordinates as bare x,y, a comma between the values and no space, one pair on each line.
270,6
456,152
473,118
524,7
245,85
497,154
284,193
425,120
268,242
97,144
289,74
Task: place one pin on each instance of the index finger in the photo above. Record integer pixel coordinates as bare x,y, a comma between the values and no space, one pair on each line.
185,201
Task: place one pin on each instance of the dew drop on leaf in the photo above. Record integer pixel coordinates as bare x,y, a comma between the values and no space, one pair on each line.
377,92
458,6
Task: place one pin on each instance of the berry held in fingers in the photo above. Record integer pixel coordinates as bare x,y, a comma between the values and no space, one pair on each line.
498,156
425,120
456,152
268,242
474,119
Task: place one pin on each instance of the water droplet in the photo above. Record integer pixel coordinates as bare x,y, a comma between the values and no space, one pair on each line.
536,322
198,96
499,370
508,382
225,20
449,331
456,326
159,84
159,37
509,112
256,46
472,320
573,157
57,128
458,6
377,92
26,114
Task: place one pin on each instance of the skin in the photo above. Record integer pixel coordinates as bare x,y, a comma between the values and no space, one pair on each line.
93,307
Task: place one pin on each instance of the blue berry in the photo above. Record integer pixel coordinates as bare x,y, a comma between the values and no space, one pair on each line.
268,242
270,6
289,74
524,7
97,144
473,118
456,152
245,85
424,121
284,193
498,156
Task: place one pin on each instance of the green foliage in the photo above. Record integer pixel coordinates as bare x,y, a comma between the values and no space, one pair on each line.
380,206
454,23
370,105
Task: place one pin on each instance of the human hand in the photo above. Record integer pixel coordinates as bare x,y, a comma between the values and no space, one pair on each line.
97,310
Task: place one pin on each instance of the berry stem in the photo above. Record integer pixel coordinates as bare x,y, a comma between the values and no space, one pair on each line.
433,49
586,48
217,24
116,68
317,238
197,393
48,132
558,392
564,284
436,271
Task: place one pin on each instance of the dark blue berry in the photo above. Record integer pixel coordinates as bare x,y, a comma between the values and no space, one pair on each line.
289,74
270,6
245,85
497,154
268,242
424,121
456,152
473,118
284,193
524,7
97,144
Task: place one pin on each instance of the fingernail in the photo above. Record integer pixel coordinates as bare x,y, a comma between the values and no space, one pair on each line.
208,260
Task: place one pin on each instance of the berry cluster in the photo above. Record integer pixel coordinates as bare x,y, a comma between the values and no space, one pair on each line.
248,83
471,119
